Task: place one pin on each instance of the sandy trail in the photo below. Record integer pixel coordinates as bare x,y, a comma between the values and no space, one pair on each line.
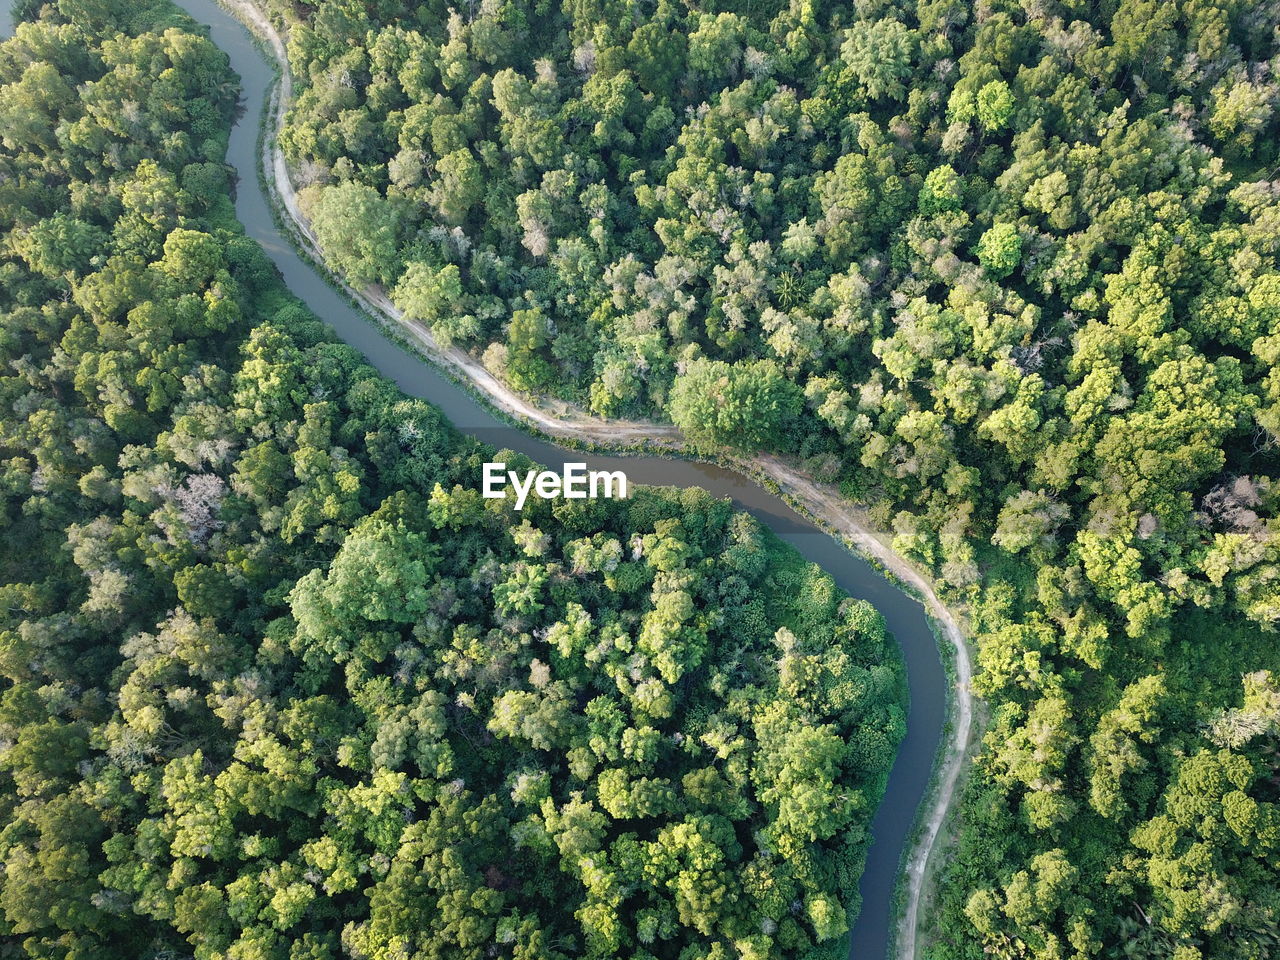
823,503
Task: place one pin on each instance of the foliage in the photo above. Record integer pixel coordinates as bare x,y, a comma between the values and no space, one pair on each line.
750,405
1020,260
277,683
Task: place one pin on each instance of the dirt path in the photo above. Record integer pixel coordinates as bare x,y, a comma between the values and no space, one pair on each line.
822,502
825,503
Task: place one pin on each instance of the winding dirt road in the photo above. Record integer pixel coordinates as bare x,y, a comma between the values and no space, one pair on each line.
822,503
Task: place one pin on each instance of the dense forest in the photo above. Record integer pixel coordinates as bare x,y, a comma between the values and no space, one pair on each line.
278,684
1004,270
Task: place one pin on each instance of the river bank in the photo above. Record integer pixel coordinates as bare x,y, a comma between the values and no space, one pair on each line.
800,505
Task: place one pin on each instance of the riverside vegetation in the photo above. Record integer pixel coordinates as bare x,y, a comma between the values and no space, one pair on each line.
280,684
1006,271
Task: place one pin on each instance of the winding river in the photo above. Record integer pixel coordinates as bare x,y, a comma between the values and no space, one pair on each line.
910,776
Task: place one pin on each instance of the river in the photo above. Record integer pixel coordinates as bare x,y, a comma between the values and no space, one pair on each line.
905,617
